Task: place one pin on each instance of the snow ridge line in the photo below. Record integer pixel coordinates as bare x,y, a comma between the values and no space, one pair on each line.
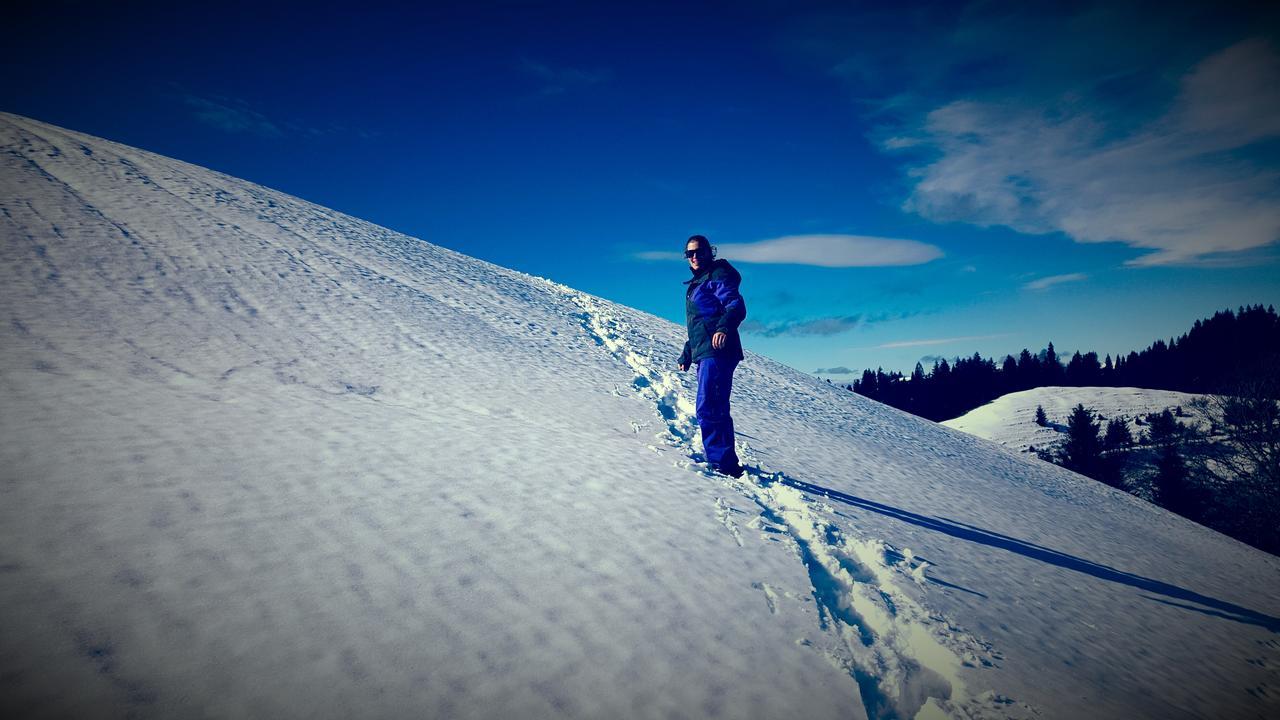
888,643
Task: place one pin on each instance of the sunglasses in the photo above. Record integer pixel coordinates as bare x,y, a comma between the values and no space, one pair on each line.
691,253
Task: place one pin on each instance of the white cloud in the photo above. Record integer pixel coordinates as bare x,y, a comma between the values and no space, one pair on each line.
661,255
898,142
1045,283
937,341
832,251
1182,185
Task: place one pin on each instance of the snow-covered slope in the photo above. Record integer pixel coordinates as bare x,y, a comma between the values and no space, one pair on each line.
263,459
1011,419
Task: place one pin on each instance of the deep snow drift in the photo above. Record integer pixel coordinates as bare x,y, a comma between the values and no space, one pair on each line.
263,459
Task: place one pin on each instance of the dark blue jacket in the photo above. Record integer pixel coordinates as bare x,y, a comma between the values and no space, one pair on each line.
712,304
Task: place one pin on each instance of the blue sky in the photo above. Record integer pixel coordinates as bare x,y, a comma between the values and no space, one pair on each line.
895,182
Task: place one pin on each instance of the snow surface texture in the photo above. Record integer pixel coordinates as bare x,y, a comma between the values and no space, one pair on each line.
1011,419
263,459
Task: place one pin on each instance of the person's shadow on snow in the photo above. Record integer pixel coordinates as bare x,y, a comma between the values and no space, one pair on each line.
962,531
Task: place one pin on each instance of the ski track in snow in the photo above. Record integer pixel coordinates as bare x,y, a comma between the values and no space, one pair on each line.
888,643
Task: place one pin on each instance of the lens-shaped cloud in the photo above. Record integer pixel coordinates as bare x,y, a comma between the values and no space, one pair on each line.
1045,283
832,251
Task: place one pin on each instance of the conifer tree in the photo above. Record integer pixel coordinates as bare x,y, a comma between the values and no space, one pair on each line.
1118,435
1082,451
941,370
1052,368
1028,370
1075,370
1115,460
1090,369
1172,484
1162,428
867,385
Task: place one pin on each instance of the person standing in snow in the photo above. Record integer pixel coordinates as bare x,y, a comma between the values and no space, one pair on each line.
713,310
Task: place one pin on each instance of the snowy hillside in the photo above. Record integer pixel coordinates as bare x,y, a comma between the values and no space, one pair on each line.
1011,419
261,459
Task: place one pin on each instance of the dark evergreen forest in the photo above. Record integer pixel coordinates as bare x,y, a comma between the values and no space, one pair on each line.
1216,355
1225,476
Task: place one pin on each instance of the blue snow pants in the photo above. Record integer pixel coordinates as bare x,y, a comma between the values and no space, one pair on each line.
715,381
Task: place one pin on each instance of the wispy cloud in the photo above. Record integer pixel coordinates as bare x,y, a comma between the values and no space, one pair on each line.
822,326
231,115
238,116
1045,283
818,326
818,250
1182,185
832,251
938,341
558,80
841,370
658,255
1057,117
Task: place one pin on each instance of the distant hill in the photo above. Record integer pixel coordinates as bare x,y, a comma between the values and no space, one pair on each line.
1010,419
1211,458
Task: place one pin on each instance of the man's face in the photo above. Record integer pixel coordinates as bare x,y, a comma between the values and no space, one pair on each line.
700,257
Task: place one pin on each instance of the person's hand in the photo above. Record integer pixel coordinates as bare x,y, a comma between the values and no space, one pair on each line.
682,367
718,340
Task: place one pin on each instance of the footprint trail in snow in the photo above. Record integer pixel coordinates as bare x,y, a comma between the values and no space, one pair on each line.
905,659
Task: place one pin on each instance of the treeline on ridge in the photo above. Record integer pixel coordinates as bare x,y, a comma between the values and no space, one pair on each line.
1215,355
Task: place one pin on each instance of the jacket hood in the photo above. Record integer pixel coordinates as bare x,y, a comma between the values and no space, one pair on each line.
717,264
